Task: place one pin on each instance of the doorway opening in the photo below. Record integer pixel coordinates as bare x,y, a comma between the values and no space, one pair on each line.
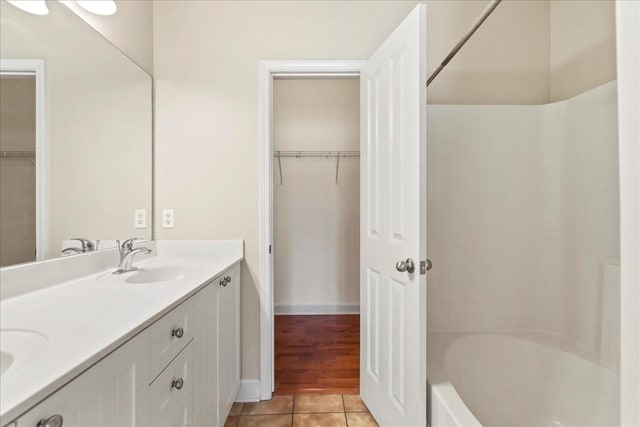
316,250
272,73
392,259
22,161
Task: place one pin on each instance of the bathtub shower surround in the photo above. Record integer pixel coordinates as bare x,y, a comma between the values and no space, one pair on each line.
524,223
524,228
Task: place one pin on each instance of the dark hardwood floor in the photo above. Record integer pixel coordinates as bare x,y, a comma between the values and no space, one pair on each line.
317,354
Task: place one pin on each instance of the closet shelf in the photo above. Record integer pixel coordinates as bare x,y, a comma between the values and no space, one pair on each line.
326,154
17,153
28,155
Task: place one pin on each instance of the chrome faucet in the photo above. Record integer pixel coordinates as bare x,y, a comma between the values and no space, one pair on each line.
71,251
87,246
127,252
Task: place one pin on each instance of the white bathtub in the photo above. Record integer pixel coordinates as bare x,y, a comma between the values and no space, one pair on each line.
531,379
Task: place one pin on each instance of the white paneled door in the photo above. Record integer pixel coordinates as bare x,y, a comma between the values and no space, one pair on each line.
393,357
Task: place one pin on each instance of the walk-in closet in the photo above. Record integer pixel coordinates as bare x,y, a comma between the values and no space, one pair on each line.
316,205
17,169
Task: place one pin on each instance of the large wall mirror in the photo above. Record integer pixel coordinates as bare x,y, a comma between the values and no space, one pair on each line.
75,137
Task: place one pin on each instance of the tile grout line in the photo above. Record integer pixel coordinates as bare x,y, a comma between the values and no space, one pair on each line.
346,421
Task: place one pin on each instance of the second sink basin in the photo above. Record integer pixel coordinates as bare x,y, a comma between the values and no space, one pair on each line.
157,274
19,347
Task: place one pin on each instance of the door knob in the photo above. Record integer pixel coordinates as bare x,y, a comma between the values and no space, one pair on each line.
52,421
408,265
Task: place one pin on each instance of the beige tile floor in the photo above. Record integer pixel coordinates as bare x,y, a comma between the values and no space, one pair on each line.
303,410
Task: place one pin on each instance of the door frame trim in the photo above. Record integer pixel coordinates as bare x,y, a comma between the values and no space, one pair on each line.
267,71
36,67
628,62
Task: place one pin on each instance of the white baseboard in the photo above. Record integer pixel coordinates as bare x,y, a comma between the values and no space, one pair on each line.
317,309
249,391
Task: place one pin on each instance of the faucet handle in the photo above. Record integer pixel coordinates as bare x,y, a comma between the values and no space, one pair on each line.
87,245
127,245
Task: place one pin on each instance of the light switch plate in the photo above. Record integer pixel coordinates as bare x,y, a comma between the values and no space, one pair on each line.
167,218
141,218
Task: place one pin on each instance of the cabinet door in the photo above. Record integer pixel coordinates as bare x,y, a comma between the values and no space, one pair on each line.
228,341
205,356
171,394
110,393
217,348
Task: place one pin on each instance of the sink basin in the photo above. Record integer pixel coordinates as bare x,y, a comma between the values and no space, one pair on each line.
157,274
6,360
18,347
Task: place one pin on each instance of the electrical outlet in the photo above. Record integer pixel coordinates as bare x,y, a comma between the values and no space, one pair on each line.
141,218
167,218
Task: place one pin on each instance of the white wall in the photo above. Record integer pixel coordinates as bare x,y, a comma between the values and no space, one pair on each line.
317,222
130,29
523,219
206,68
527,52
583,46
505,62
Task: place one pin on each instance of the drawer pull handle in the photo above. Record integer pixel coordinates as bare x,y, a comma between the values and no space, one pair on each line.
178,333
223,281
227,279
52,421
177,384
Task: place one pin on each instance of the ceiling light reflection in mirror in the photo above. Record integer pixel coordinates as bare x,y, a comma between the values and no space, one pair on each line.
99,7
35,7
39,7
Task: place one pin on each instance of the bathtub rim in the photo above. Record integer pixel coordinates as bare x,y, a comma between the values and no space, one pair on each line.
441,387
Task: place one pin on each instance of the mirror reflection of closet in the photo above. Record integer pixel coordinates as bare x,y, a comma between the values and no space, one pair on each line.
17,169
93,132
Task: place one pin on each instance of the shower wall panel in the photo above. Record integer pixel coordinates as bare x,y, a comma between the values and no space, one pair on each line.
523,219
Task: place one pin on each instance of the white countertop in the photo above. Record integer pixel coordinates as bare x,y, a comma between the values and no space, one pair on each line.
85,319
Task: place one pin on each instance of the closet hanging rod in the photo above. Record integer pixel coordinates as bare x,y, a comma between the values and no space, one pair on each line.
17,153
318,154
326,154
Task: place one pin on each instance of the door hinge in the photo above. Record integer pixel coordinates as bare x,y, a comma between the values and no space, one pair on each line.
425,266
269,248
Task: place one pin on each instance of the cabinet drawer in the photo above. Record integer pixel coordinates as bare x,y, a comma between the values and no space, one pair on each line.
172,391
168,336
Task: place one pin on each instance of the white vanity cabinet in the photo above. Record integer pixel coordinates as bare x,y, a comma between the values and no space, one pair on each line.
182,370
217,348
